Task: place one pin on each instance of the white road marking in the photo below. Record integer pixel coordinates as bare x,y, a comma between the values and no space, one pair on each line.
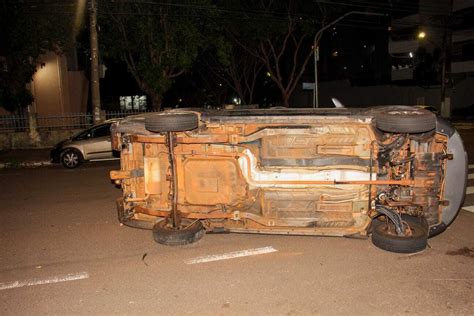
55,279
453,279
469,208
470,190
470,176
232,255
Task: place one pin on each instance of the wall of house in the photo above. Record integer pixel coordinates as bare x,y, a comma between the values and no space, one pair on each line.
48,87
78,92
56,90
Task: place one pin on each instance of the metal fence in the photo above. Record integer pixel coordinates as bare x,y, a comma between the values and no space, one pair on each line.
69,121
13,122
119,114
19,123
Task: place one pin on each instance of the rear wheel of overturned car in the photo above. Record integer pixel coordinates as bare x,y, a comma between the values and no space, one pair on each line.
405,119
385,237
71,158
171,122
188,232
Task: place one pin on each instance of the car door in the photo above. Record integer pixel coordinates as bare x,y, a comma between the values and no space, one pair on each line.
99,145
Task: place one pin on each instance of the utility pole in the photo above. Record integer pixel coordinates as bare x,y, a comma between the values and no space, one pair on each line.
446,63
95,89
317,37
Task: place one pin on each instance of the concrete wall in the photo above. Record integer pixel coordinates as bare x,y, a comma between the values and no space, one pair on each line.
20,140
461,95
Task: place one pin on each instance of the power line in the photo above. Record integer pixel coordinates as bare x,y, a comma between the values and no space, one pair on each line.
401,8
376,5
238,14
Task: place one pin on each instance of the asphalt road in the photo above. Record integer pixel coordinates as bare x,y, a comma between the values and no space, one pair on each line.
59,227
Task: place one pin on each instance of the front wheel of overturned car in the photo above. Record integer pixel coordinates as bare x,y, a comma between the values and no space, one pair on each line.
405,119
385,237
71,158
188,232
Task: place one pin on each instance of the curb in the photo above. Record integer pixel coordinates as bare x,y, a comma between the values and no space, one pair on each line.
25,164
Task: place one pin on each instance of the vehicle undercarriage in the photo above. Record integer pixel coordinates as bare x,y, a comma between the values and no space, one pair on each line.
335,173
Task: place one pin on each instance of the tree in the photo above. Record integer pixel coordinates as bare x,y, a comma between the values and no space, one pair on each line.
158,40
235,67
27,30
280,36
213,89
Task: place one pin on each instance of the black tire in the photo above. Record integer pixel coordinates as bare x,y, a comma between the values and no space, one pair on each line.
385,237
189,232
171,122
405,119
71,158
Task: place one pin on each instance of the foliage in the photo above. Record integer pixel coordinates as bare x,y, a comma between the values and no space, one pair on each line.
279,35
213,89
26,31
158,40
234,67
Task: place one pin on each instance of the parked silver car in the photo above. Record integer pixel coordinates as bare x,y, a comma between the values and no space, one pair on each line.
92,144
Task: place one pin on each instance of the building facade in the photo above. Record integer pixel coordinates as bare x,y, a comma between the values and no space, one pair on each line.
440,35
57,87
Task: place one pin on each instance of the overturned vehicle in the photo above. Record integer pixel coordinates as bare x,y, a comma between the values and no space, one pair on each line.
397,173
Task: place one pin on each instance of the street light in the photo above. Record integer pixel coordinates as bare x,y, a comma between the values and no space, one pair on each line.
421,35
317,37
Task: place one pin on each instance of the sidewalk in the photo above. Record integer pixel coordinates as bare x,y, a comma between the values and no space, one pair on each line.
19,158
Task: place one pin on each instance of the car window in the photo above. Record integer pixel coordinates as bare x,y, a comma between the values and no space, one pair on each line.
83,135
100,131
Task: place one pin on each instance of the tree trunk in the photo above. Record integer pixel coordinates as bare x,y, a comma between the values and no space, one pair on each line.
285,99
242,97
156,100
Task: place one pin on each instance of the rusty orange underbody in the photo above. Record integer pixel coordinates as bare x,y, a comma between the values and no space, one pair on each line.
305,175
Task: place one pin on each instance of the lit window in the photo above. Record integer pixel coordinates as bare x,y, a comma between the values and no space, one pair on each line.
133,102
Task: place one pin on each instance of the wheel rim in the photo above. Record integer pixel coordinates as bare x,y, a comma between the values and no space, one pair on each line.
183,226
71,159
406,112
389,230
